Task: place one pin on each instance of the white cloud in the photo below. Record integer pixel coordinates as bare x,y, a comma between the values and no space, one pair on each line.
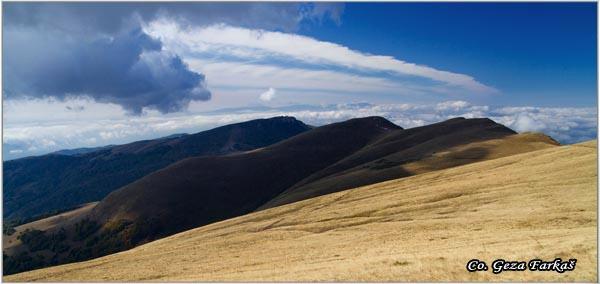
245,75
452,105
54,128
268,95
227,41
524,122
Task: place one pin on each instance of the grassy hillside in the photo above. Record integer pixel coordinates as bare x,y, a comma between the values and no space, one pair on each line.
540,204
203,190
399,154
36,185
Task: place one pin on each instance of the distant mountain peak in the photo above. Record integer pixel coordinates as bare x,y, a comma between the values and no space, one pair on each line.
284,118
366,123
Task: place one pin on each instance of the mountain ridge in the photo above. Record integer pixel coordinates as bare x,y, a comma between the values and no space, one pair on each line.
314,148
408,145
39,184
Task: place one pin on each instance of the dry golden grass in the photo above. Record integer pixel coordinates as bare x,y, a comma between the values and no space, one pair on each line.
540,204
481,151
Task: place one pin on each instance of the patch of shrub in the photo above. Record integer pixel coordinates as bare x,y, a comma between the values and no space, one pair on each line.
85,228
401,263
57,241
35,240
79,254
21,262
114,238
145,230
92,241
8,229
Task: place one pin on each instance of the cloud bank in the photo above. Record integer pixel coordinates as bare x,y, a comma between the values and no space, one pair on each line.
30,132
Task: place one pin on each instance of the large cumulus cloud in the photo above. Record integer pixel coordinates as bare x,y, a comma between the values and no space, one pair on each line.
128,68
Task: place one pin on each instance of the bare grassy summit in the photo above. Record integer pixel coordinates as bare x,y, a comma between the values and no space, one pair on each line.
539,204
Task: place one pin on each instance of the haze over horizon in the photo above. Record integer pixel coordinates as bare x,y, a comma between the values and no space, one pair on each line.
86,75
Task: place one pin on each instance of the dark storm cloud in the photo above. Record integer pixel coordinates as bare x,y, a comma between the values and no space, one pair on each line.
99,50
128,69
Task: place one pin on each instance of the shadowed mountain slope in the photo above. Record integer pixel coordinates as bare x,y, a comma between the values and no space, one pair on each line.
203,190
36,185
540,204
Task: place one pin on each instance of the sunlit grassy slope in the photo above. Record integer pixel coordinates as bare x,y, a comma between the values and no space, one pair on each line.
540,204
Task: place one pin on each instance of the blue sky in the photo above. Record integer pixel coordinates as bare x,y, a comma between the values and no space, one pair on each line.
84,75
535,53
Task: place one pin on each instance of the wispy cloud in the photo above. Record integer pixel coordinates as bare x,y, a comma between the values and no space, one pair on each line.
247,75
253,44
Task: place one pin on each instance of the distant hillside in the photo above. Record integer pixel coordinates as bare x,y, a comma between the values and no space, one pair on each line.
541,204
80,151
36,185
